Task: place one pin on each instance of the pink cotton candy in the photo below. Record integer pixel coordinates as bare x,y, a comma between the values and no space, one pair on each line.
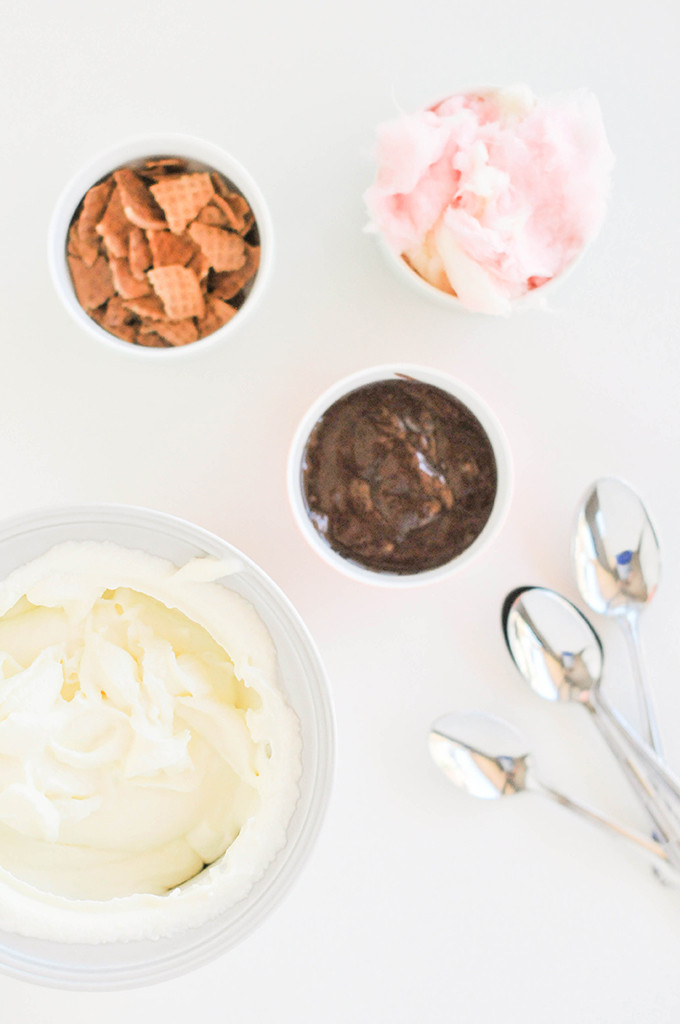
514,185
414,179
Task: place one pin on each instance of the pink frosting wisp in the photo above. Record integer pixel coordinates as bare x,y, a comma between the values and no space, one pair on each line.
490,194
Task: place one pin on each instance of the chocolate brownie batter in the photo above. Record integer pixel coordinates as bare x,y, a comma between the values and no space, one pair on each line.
399,476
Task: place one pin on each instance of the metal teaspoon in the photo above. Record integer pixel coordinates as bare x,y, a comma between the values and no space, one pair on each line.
488,758
617,561
559,654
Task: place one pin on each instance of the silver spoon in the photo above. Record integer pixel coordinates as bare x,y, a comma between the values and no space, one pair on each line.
617,561
559,654
488,758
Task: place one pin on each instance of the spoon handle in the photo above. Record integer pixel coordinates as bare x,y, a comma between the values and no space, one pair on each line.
630,626
656,787
656,849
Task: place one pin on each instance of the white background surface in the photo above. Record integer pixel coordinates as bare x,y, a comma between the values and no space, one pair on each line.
418,904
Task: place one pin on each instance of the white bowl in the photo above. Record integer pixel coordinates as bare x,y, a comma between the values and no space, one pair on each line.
128,964
136,149
407,275
537,298
474,403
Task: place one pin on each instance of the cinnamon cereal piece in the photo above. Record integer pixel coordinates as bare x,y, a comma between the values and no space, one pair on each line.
226,286
114,227
139,205
158,167
214,216
217,314
94,284
224,250
222,310
167,248
139,254
73,241
237,212
147,306
182,198
150,339
179,290
116,314
230,219
177,332
200,264
94,204
98,314
220,185
126,331
127,286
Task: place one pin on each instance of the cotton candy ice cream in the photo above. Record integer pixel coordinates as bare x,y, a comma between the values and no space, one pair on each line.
488,195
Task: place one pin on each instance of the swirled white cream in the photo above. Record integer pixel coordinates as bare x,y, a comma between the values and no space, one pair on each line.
143,736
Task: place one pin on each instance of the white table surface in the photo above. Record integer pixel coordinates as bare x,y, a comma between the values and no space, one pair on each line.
418,903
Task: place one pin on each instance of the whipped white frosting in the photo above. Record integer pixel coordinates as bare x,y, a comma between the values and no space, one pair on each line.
143,736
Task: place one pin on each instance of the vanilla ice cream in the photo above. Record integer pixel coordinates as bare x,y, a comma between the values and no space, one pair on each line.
489,195
148,760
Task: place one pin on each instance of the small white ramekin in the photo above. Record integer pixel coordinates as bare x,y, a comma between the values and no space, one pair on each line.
136,149
537,298
474,403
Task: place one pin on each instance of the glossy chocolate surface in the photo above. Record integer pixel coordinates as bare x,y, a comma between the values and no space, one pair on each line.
399,476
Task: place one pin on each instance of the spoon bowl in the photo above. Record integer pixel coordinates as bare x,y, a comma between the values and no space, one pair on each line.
553,645
560,655
464,747
616,551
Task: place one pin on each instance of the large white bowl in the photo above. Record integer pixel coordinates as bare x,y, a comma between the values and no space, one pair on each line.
128,964
464,394
136,149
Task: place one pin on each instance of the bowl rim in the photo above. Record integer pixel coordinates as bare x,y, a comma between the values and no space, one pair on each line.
108,160
454,387
195,951
536,299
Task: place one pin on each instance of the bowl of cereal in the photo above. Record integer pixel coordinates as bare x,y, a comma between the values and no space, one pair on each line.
161,245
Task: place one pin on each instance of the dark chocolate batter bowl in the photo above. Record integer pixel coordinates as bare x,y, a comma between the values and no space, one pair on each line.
399,474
